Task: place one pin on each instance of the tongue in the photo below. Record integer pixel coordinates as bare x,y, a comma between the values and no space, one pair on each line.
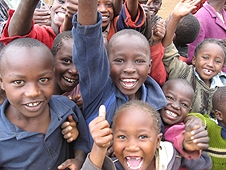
133,162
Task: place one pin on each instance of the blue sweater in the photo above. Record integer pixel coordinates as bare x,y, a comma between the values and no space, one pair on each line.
97,87
21,149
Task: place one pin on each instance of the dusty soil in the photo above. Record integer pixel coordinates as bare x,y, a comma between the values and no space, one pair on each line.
167,7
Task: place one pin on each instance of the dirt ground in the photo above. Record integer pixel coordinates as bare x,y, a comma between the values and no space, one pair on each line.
167,7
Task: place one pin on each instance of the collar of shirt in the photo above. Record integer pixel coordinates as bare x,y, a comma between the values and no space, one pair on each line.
215,81
223,131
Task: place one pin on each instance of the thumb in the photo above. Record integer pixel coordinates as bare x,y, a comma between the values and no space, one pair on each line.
71,120
102,111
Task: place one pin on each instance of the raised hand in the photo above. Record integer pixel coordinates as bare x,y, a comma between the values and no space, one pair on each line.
196,136
100,129
70,130
78,100
102,136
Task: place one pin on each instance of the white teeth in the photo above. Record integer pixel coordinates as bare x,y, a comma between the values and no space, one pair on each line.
134,168
171,114
129,80
207,71
32,104
60,14
69,80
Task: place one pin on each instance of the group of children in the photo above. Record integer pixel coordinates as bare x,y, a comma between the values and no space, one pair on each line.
103,65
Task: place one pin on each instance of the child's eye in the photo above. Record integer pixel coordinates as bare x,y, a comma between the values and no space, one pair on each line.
66,60
218,61
121,137
61,1
169,97
43,80
143,136
140,61
205,57
118,60
109,5
184,105
19,82
156,3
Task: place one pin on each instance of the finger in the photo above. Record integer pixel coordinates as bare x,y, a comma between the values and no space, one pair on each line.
102,111
65,124
66,130
203,146
72,121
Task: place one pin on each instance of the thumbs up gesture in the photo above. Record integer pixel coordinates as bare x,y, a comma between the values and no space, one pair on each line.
102,135
100,129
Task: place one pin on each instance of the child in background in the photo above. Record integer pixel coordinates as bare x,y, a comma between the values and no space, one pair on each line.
66,74
211,17
186,33
179,102
31,117
216,129
116,77
20,23
137,140
156,25
205,74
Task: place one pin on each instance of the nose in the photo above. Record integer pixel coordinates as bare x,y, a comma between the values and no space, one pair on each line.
32,90
73,69
64,6
176,105
210,63
129,68
132,145
102,8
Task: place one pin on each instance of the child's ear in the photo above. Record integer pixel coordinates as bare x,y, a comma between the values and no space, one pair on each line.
149,67
159,138
1,83
193,60
218,114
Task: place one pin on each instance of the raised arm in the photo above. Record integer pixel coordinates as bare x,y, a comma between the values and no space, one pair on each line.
132,6
87,12
71,9
117,5
182,8
21,22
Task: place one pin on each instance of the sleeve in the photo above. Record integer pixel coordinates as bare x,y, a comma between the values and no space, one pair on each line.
175,134
108,164
42,33
158,71
82,141
203,162
125,21
173,65
91,60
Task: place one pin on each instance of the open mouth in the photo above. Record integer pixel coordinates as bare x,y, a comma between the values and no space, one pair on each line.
60,15
33,104
171,114
129,83
134,163
207,71
71,81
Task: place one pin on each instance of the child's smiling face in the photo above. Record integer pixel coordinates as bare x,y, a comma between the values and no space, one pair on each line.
135,138
28,79
209,61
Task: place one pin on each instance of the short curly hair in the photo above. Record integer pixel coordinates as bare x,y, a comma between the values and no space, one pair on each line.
187,30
